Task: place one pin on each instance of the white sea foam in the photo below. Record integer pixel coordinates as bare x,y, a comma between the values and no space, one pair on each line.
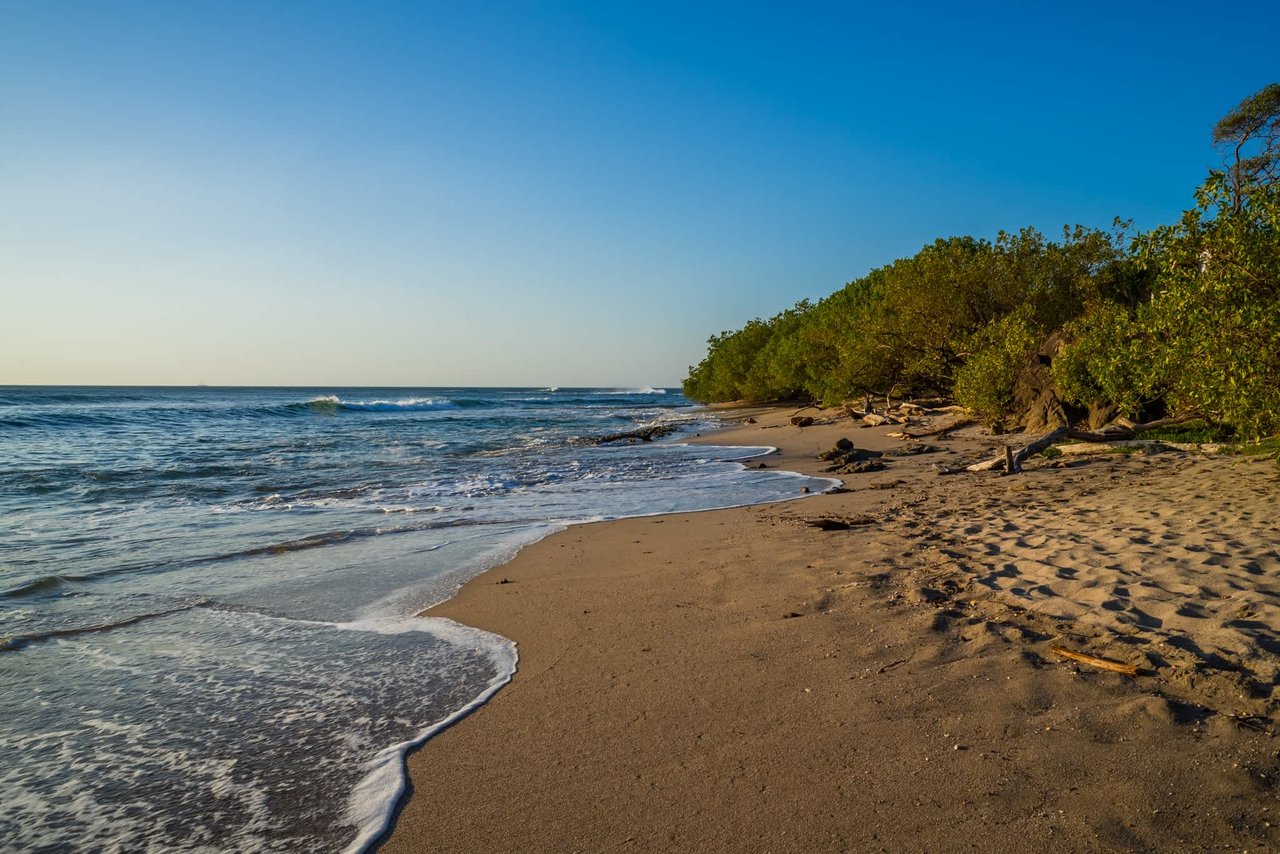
374,798
260,708
405,404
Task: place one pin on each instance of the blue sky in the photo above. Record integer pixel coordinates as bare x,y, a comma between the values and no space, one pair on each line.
529,194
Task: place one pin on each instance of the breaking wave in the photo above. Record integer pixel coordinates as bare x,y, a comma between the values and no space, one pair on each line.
331,403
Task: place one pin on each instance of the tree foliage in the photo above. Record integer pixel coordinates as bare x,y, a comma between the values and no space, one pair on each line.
1184,318
999,352
909,327
1214,322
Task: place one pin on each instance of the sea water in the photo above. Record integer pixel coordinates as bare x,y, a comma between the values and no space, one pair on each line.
208,637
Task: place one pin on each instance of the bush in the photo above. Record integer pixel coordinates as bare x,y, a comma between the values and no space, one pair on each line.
1000,351
1106,360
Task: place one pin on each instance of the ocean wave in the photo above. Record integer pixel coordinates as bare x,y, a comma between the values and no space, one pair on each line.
37,585
31,417
626,391
63,416
9,644
332,403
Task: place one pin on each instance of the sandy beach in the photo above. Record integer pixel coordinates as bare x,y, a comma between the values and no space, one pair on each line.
744,680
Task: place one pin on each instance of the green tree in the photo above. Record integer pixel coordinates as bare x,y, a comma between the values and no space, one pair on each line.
1249,137
722,374
1214,322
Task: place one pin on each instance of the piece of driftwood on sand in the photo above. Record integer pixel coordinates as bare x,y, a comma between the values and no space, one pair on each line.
1094,661
941,430
1010,461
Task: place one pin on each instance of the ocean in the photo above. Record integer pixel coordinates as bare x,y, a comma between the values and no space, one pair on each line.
208,638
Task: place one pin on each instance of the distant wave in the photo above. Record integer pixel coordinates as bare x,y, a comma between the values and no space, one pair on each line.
332,403
54,412
34,418
59,416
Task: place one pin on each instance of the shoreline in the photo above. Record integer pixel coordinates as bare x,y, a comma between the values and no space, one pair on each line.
736,679
368,798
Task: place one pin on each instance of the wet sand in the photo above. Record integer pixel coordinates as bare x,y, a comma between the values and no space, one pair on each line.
742,680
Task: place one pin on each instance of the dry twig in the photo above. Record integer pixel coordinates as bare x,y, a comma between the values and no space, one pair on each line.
1094,661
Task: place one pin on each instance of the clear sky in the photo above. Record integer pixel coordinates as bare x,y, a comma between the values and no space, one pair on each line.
380,193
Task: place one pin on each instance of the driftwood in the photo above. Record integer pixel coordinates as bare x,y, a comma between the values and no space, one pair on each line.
644,434
940,431
1094,661
1010,461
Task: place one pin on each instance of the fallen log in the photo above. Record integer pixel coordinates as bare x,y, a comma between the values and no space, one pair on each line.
1010,462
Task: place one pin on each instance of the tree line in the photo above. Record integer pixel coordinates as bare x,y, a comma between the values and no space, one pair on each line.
1183,319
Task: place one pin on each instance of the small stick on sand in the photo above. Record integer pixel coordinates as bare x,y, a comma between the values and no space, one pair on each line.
1113,666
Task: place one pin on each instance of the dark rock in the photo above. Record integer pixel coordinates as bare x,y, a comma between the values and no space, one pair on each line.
801,420
1036,404
840,459
843,444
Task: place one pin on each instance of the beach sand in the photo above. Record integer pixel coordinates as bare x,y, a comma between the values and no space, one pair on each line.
740,680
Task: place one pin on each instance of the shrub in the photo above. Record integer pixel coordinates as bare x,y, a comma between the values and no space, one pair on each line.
999,352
